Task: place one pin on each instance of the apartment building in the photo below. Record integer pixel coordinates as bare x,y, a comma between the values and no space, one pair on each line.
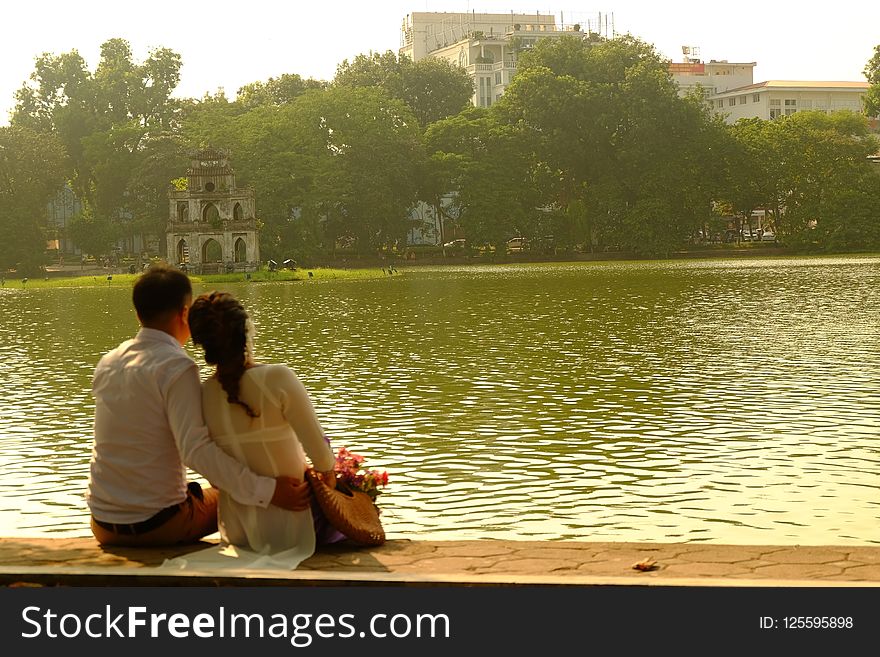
773,98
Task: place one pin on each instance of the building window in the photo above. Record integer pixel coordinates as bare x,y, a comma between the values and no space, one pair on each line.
756,98
775,112
742,100
720,104
731,102
498,77
790,106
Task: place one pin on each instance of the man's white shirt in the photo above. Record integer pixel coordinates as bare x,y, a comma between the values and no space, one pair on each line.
148,427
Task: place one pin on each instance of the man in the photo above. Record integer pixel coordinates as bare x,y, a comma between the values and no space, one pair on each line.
149,426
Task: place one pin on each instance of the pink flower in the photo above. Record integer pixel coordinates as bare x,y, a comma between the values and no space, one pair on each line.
347,469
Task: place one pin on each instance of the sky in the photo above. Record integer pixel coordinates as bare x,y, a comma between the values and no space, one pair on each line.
228,44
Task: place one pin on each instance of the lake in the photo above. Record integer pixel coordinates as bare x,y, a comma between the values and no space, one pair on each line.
726,401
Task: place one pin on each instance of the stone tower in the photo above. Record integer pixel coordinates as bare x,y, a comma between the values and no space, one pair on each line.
212,225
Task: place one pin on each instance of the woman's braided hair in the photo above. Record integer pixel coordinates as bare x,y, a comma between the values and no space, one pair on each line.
218,323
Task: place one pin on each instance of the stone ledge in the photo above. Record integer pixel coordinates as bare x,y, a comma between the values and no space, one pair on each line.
80,561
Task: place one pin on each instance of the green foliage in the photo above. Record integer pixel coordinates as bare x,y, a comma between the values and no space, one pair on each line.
331,164
489,170
366,149
275,91
620,156
32,170
591,143
811,173
94,234
432,88
110,122
872,72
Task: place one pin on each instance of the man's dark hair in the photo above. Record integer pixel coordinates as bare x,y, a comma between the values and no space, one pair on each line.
160,290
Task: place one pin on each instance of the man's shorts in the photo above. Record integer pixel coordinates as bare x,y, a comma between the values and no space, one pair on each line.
196,517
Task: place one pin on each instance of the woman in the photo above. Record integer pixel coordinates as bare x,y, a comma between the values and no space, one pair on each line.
262,416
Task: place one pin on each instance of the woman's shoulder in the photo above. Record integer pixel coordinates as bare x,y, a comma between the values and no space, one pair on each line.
268,369
273,372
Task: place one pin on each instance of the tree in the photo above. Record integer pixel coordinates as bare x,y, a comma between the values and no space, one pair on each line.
489,170
872,72
331,164
162,159
620,156
435,89
366,149
105,119
276,91
811,173
94,234
32,171
432,88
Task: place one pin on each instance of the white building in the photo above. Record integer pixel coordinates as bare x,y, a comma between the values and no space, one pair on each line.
485,45
773,98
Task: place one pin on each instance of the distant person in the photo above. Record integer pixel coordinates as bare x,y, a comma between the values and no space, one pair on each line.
149,426
260,414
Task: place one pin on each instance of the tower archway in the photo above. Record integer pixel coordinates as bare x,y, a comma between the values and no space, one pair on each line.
240,250
212,251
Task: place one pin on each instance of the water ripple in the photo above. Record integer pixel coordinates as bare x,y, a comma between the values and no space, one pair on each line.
725,401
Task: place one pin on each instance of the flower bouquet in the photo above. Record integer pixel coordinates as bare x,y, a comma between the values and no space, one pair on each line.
349,471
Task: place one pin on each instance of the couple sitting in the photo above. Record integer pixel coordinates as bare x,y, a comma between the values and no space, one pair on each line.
247,430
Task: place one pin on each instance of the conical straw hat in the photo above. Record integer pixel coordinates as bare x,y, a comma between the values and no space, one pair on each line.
351,512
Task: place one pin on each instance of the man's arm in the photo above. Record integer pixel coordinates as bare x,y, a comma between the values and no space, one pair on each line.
183,403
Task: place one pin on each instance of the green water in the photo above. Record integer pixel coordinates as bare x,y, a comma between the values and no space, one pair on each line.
723,401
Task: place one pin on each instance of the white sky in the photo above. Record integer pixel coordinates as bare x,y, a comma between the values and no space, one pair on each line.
228,44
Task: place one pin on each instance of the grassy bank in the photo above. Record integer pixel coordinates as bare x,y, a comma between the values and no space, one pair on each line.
127,280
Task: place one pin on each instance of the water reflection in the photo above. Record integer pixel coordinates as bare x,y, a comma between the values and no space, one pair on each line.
724,401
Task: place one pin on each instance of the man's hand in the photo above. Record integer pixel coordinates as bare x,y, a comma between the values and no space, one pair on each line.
291,493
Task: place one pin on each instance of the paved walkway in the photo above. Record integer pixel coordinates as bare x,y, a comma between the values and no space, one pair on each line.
79,561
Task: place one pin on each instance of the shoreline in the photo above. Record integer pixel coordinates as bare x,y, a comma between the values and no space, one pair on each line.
105,278
371,267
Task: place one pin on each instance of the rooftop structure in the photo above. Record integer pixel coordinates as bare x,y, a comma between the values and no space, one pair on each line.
713,76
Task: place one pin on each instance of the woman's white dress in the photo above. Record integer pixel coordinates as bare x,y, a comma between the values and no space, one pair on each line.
272,444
